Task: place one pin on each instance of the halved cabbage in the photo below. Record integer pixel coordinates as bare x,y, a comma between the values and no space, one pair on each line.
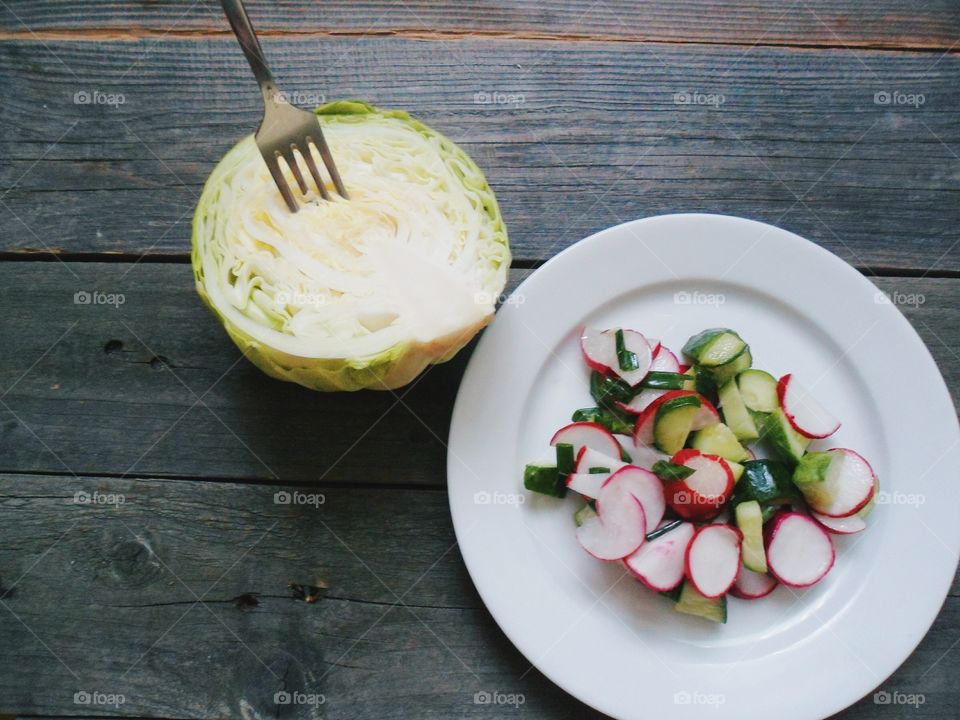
364,293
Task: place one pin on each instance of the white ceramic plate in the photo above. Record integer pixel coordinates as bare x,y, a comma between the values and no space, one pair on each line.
603,637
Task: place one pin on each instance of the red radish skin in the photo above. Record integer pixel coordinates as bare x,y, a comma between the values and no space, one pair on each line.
752,585
587,434
683,368
799,551
803,412
702,495
865,493
655,346
841,526
646,488
618,528
600,352
660,563
712,560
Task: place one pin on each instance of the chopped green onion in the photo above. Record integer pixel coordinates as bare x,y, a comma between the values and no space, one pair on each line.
544,479
628,360
565,459
666,470
598,470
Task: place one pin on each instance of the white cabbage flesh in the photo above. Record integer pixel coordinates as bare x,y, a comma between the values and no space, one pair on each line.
413,261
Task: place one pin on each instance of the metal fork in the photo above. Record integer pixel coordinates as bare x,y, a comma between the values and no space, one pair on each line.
284,128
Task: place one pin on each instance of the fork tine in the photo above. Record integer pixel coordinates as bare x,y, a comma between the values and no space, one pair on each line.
321,144
307,153
291,159
274,166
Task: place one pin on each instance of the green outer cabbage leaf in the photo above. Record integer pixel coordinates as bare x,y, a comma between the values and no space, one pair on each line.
257,334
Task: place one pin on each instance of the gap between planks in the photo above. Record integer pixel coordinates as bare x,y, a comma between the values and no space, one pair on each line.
135,34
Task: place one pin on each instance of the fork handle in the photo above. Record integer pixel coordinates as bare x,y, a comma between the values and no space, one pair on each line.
247,37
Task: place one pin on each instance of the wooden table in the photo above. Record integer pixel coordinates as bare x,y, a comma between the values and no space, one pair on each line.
142,553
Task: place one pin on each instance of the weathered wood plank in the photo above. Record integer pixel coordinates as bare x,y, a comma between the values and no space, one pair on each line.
580,136
100,401
885,23
101,598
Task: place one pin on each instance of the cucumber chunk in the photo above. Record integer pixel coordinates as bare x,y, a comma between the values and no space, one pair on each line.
736,468
544,479
714,347
729,370
749,518
718,439
583,514
769,482
735,413
786,441
758,390
673,422
692,602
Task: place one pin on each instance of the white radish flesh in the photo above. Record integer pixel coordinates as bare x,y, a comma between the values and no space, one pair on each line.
587,434
600,352
588,458
807,416
659,563
646,488
799,552
841,526
850,482
713,559
618,528
751,585
587,484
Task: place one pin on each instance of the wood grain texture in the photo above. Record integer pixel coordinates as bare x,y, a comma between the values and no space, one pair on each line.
576,136
883,23
118,393
103,598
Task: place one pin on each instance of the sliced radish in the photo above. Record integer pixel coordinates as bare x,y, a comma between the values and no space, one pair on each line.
646,488
654,347
713,559
645,456
799,551
664,360
707,415
588,459
659,563
600,351
841,526
641,401
587,484
807,416
619,526
683,368
836,483
587,434
700,496
751,585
